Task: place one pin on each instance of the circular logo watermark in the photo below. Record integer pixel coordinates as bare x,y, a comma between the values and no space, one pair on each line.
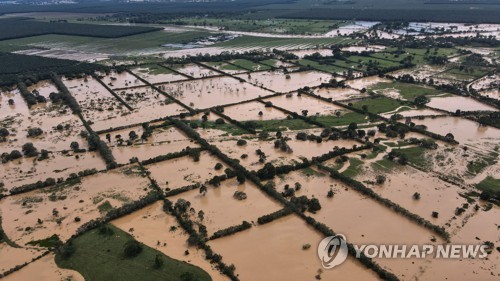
332,251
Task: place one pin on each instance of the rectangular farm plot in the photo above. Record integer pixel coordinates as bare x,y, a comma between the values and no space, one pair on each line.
361,219
43,88
148,104
161,231
226,67
12,103
59,165
211,92
154,73
281,82
98,104
193,70
252,111
184,171
464,130
58,207
121,80
299,150
300,103
366,82
59,127
339,93
454,103
274,252
126,144
435,195
222,209
249,65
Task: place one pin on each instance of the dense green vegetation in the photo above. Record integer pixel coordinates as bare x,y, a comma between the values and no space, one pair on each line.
378,105
16,67
19,27
489,184
107,253
407,91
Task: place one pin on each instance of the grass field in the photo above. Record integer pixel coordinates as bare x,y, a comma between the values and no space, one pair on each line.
489,184
380,62
135,44
101,257
355,167
249,65
283,124
379,104
279,26
416,155
322,67
407,91
343,120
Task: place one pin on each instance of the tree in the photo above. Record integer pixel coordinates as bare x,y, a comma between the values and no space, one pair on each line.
218,166
133,135
353,126
330,193
240,178
203,189
158,261
15,154
4,132
420,101
132,249
416,196
75,146
29,150
449,137
34,132
380,179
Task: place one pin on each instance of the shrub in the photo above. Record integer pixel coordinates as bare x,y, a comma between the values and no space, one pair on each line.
132,249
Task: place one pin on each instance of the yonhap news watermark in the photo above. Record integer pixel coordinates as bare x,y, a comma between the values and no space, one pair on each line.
333,251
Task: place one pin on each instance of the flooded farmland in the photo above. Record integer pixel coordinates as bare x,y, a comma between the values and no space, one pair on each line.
227,146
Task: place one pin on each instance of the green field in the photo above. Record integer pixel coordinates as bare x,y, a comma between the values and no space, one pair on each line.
379,104
370,60
282,125
279,26
225,66
101,257
322,67
355,167
416,155
343,120
489,184
407,91
249,65
135,44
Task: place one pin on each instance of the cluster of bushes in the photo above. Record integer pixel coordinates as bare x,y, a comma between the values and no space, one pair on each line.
65,94
231,230
305,204
274,216
33,186
360,187
172,155
28,97
95,143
